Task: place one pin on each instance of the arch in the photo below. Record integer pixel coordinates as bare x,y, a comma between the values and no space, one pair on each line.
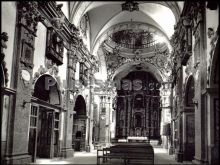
47,89
189,91
79,124
80,106
131,66
189,119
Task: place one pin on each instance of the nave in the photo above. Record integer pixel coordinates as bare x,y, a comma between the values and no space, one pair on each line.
161,157
81,76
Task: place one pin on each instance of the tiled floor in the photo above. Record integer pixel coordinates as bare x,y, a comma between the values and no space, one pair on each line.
161,157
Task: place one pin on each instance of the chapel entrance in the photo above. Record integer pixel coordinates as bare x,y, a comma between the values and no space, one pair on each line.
79,124
44,119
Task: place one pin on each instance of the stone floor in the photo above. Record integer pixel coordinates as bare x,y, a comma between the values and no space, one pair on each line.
160,157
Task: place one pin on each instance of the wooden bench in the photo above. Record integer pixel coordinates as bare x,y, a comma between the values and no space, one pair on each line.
127,153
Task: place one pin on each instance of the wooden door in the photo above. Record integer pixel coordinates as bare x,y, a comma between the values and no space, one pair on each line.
45,133
32,144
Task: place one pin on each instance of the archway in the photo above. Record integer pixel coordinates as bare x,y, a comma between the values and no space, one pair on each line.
79,124
189,121
45,119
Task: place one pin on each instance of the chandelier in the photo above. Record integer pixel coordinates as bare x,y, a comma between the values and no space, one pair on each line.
130,6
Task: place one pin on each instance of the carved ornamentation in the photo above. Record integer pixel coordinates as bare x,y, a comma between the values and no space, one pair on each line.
84,25
58,22
213,36
27,50
28,15
4,39
50,68
159,60
55,47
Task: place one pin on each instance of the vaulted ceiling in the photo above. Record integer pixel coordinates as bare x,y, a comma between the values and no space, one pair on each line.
107,18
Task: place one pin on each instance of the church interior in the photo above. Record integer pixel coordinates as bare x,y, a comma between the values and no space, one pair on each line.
109,82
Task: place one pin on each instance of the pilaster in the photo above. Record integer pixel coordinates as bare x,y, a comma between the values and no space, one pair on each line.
27,20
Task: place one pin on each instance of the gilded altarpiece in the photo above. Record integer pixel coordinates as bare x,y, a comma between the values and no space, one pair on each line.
138,106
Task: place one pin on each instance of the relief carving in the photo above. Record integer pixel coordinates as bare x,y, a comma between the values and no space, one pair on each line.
27,51
213,36
50,68
55,47
159,60
4,39
28,15
83,25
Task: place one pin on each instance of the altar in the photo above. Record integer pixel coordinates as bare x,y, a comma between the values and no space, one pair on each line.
137,139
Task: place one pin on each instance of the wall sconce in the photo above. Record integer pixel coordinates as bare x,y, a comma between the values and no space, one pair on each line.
24,103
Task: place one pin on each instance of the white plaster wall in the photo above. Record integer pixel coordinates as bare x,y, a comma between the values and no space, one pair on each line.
77,72
40,47
63,69
8,23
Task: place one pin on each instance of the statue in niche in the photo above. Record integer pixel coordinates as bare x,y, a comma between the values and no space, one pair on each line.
4,39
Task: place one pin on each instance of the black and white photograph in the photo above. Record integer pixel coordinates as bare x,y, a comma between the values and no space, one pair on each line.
109,82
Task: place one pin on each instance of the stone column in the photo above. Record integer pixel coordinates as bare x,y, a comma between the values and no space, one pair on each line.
179,153
200,79
212,106
170,151
17,142
129,116
90,119
67,150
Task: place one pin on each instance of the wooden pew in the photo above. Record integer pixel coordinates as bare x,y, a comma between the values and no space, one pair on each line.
128,153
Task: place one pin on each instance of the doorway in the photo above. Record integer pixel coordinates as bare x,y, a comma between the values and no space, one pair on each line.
43,132
44,121
79,124
189,146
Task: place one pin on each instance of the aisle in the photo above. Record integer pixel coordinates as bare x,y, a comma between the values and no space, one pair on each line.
160,157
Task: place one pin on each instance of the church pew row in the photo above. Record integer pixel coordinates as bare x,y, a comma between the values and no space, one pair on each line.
127,154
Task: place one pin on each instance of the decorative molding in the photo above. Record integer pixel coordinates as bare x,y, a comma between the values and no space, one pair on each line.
28,15
160,60
55,46
50,68
84,25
